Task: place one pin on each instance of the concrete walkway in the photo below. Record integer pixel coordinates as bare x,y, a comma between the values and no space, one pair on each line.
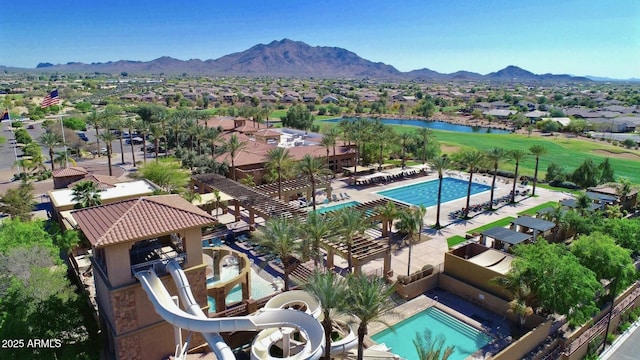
432,250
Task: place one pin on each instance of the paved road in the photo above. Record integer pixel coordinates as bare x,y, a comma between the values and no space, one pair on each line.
626,347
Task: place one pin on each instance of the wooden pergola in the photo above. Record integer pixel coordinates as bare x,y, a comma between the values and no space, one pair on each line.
256,202
295,186
362,251
370,211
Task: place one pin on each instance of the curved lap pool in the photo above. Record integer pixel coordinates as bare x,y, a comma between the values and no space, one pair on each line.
426,193
466,339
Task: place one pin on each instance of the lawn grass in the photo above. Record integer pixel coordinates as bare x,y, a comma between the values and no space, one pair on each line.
559,189
502,222
535,209
568,153
455,240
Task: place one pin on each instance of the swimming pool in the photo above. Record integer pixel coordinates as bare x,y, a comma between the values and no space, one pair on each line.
426,193
465,338
259,286
327,209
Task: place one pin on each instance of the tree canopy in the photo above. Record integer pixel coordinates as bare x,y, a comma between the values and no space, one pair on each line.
557,279
298,117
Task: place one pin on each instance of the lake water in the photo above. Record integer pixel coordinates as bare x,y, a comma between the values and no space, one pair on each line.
436,125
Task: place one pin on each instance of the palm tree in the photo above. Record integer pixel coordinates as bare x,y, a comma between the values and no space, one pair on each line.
494,156
513,281
316,228
424,134
118,124
537,151
470,160
431,349
130,123
412,221
214,136
280,237
175,123
388,212
557,216
86,194
157,132
404,138
624,187
327,142
350,223
142,127
50,140
583,202
277,159
331,290
516,155
313,168
369,300
108,137
62,158
334,133
441,165
233,146
96,121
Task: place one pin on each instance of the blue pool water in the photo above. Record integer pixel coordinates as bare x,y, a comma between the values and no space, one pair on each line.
426,193
259,287
327,209
465,338
437,125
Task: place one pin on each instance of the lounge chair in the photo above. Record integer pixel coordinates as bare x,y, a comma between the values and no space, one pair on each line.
346,196
334,197
341,196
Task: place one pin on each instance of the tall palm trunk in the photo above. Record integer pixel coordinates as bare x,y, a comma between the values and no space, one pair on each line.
362,332
278,169
109,159
535,177
466,209
515,179
439,201
51,157
493,186
121,148
97,141
327,325
133,152
144,147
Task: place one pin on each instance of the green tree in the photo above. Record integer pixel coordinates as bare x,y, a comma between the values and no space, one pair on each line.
331,290
50,140
369,300
316,228
537,151
424,135
277,159
280,238
18,202
130,123
108,137
431,349
298,117
313,169
233,146
86,194
411,223
626,232
607,174
96,121
389,212
494,156
586,175
470,159
558,281
350,224
440,164
601,254
168,175
516,155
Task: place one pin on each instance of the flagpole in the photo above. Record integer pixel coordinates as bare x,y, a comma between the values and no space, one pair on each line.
64,142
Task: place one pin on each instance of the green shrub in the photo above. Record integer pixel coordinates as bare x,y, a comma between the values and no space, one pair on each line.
75,124
16,124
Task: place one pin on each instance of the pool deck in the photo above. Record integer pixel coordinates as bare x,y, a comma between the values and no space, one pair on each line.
432,250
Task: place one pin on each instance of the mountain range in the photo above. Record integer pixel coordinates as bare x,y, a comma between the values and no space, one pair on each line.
288,58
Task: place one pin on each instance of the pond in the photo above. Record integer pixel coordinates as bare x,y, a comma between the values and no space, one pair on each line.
436,125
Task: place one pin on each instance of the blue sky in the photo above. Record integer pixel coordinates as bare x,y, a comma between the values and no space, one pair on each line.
580,37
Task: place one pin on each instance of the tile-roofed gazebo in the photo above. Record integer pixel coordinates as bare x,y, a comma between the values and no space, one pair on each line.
70,171
103,181
136,219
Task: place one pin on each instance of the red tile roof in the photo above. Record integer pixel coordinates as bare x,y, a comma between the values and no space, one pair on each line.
104,181
70,171
138,219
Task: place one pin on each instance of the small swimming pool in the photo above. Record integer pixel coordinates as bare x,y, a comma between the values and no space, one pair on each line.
426,193
466,339
327,209
259,286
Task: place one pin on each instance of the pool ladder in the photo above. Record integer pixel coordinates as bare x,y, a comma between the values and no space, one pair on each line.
434,300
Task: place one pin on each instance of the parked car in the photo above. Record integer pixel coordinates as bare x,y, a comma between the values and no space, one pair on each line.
82,136
134,140
152,149
31,127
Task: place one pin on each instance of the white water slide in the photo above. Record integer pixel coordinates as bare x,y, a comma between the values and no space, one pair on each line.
195,319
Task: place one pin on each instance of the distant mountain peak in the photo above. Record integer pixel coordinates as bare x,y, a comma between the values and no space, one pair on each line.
290,58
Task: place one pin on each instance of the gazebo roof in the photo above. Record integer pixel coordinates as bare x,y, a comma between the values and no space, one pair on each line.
362,251
506,235
534,223
299,184
572,203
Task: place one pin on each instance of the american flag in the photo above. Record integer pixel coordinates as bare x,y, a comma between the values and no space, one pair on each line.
51,99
